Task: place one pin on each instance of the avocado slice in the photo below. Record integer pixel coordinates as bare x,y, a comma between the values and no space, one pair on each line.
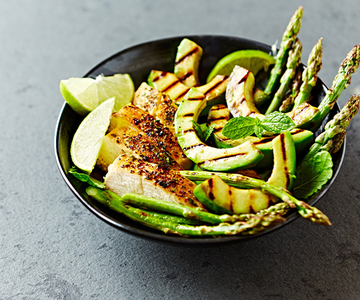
219,116
239,94
240,201
283,173
209,158
216,195
169,84
187,61
240,100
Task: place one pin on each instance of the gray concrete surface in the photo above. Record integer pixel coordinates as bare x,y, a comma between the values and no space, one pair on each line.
51,247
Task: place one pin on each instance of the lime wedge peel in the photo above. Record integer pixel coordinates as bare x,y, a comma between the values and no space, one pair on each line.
253,60
87,140
85,94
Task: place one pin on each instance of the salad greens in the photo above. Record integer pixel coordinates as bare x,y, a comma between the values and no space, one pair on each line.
313,174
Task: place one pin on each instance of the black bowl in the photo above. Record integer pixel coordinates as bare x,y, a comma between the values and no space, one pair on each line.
138,61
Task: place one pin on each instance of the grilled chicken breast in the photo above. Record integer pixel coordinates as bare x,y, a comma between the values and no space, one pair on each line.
130,175
156,104
137,119
125,140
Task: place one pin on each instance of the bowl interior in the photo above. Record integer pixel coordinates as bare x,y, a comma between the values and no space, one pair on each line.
138,61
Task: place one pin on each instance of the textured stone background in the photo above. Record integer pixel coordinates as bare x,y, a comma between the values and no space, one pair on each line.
51,247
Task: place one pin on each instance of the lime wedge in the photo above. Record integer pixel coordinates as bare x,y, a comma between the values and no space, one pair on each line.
88,138
85,94
253,60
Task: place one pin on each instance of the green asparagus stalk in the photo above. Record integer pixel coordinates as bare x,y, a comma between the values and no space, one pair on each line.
341,81
168,227
171,225
288,39
304,209
293,62
172,218
108,197
270,217
288,103
332,137
309,76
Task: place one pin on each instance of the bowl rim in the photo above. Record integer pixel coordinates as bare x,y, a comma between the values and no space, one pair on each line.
159,236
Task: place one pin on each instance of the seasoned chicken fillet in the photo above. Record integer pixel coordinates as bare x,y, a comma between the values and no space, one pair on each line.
156,104
137,119
125,140
130,175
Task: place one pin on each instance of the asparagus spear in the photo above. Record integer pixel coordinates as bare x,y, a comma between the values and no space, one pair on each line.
334,132
304,209
288,38
341,81
309,76
269,217
288,103
170,224
286,79
108,197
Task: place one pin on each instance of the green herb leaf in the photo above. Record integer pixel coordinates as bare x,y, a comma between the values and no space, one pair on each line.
240,127
313,174
259,130
277,122
208,132
86,178
198,130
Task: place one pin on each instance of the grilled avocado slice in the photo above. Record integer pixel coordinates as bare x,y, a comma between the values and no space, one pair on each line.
187,61
209,158
240,100
219,115
219,197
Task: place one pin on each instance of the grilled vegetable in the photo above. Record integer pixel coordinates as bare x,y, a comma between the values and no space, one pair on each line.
293,62
240,100
309,75
187,61
219,197
341,81
209,158
336,127
304,209
288,39
219,115
224,224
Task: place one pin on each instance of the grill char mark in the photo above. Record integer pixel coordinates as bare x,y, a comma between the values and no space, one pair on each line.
215,86
187,75
223,157
190,53
243,79
162,74
182,94
171,85
193,146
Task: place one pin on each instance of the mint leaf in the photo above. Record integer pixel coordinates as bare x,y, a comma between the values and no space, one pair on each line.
86,178
208,132
240,127
258,130
312,175
277,122
198,130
